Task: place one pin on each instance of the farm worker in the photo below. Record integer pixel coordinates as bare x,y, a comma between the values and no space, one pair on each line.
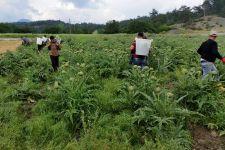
45,40
25,41
39,44
54,49
138,60
42,42
209,53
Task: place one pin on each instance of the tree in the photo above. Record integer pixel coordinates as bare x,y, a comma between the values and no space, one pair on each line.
53,30
137,26
154,13
24,29
185,14
112,27
207,7
218,7
198,11
6,28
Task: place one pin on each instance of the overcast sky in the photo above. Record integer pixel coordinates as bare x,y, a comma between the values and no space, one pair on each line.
96,11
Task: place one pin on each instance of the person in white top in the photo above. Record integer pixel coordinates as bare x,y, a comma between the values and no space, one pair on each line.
42,42
45,40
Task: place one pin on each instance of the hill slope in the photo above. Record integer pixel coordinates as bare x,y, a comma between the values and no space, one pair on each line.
201,25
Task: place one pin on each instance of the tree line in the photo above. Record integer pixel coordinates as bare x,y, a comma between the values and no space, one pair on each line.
155,22
49,26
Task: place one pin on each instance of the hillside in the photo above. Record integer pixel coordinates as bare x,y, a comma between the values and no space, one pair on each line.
201,25
208,23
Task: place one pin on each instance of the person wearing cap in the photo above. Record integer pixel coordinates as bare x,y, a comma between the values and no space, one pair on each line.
138,59
42,42
25,41
54,49
209,53
45,40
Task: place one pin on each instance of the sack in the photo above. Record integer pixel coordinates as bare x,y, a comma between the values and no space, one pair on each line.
39,41
143,46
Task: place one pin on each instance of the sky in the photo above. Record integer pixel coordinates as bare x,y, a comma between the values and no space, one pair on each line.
95,11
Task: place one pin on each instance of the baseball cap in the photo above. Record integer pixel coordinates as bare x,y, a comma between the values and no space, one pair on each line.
213,33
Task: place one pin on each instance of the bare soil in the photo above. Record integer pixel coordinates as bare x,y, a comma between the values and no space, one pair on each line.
205,139
9,46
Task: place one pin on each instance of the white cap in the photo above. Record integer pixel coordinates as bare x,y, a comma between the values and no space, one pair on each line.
213,33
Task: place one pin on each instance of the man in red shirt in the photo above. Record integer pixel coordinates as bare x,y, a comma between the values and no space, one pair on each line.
138,60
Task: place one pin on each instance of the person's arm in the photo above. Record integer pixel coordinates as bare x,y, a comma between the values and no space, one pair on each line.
201,49
133,47
49,47
216,52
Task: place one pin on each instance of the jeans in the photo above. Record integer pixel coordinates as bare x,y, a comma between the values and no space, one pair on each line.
55,62
142,62
208,68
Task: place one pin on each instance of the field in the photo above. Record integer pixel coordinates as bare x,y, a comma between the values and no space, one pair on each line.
98,101
9,45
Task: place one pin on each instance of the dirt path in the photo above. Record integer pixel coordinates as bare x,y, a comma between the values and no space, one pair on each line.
10,39
205,139
9,45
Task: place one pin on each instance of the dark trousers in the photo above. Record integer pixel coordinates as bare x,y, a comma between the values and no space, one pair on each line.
55,62
40,47
142,61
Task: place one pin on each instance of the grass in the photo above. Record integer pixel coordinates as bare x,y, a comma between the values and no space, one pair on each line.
98,101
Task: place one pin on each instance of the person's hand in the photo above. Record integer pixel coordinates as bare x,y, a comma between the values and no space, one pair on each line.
132,47
223,60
